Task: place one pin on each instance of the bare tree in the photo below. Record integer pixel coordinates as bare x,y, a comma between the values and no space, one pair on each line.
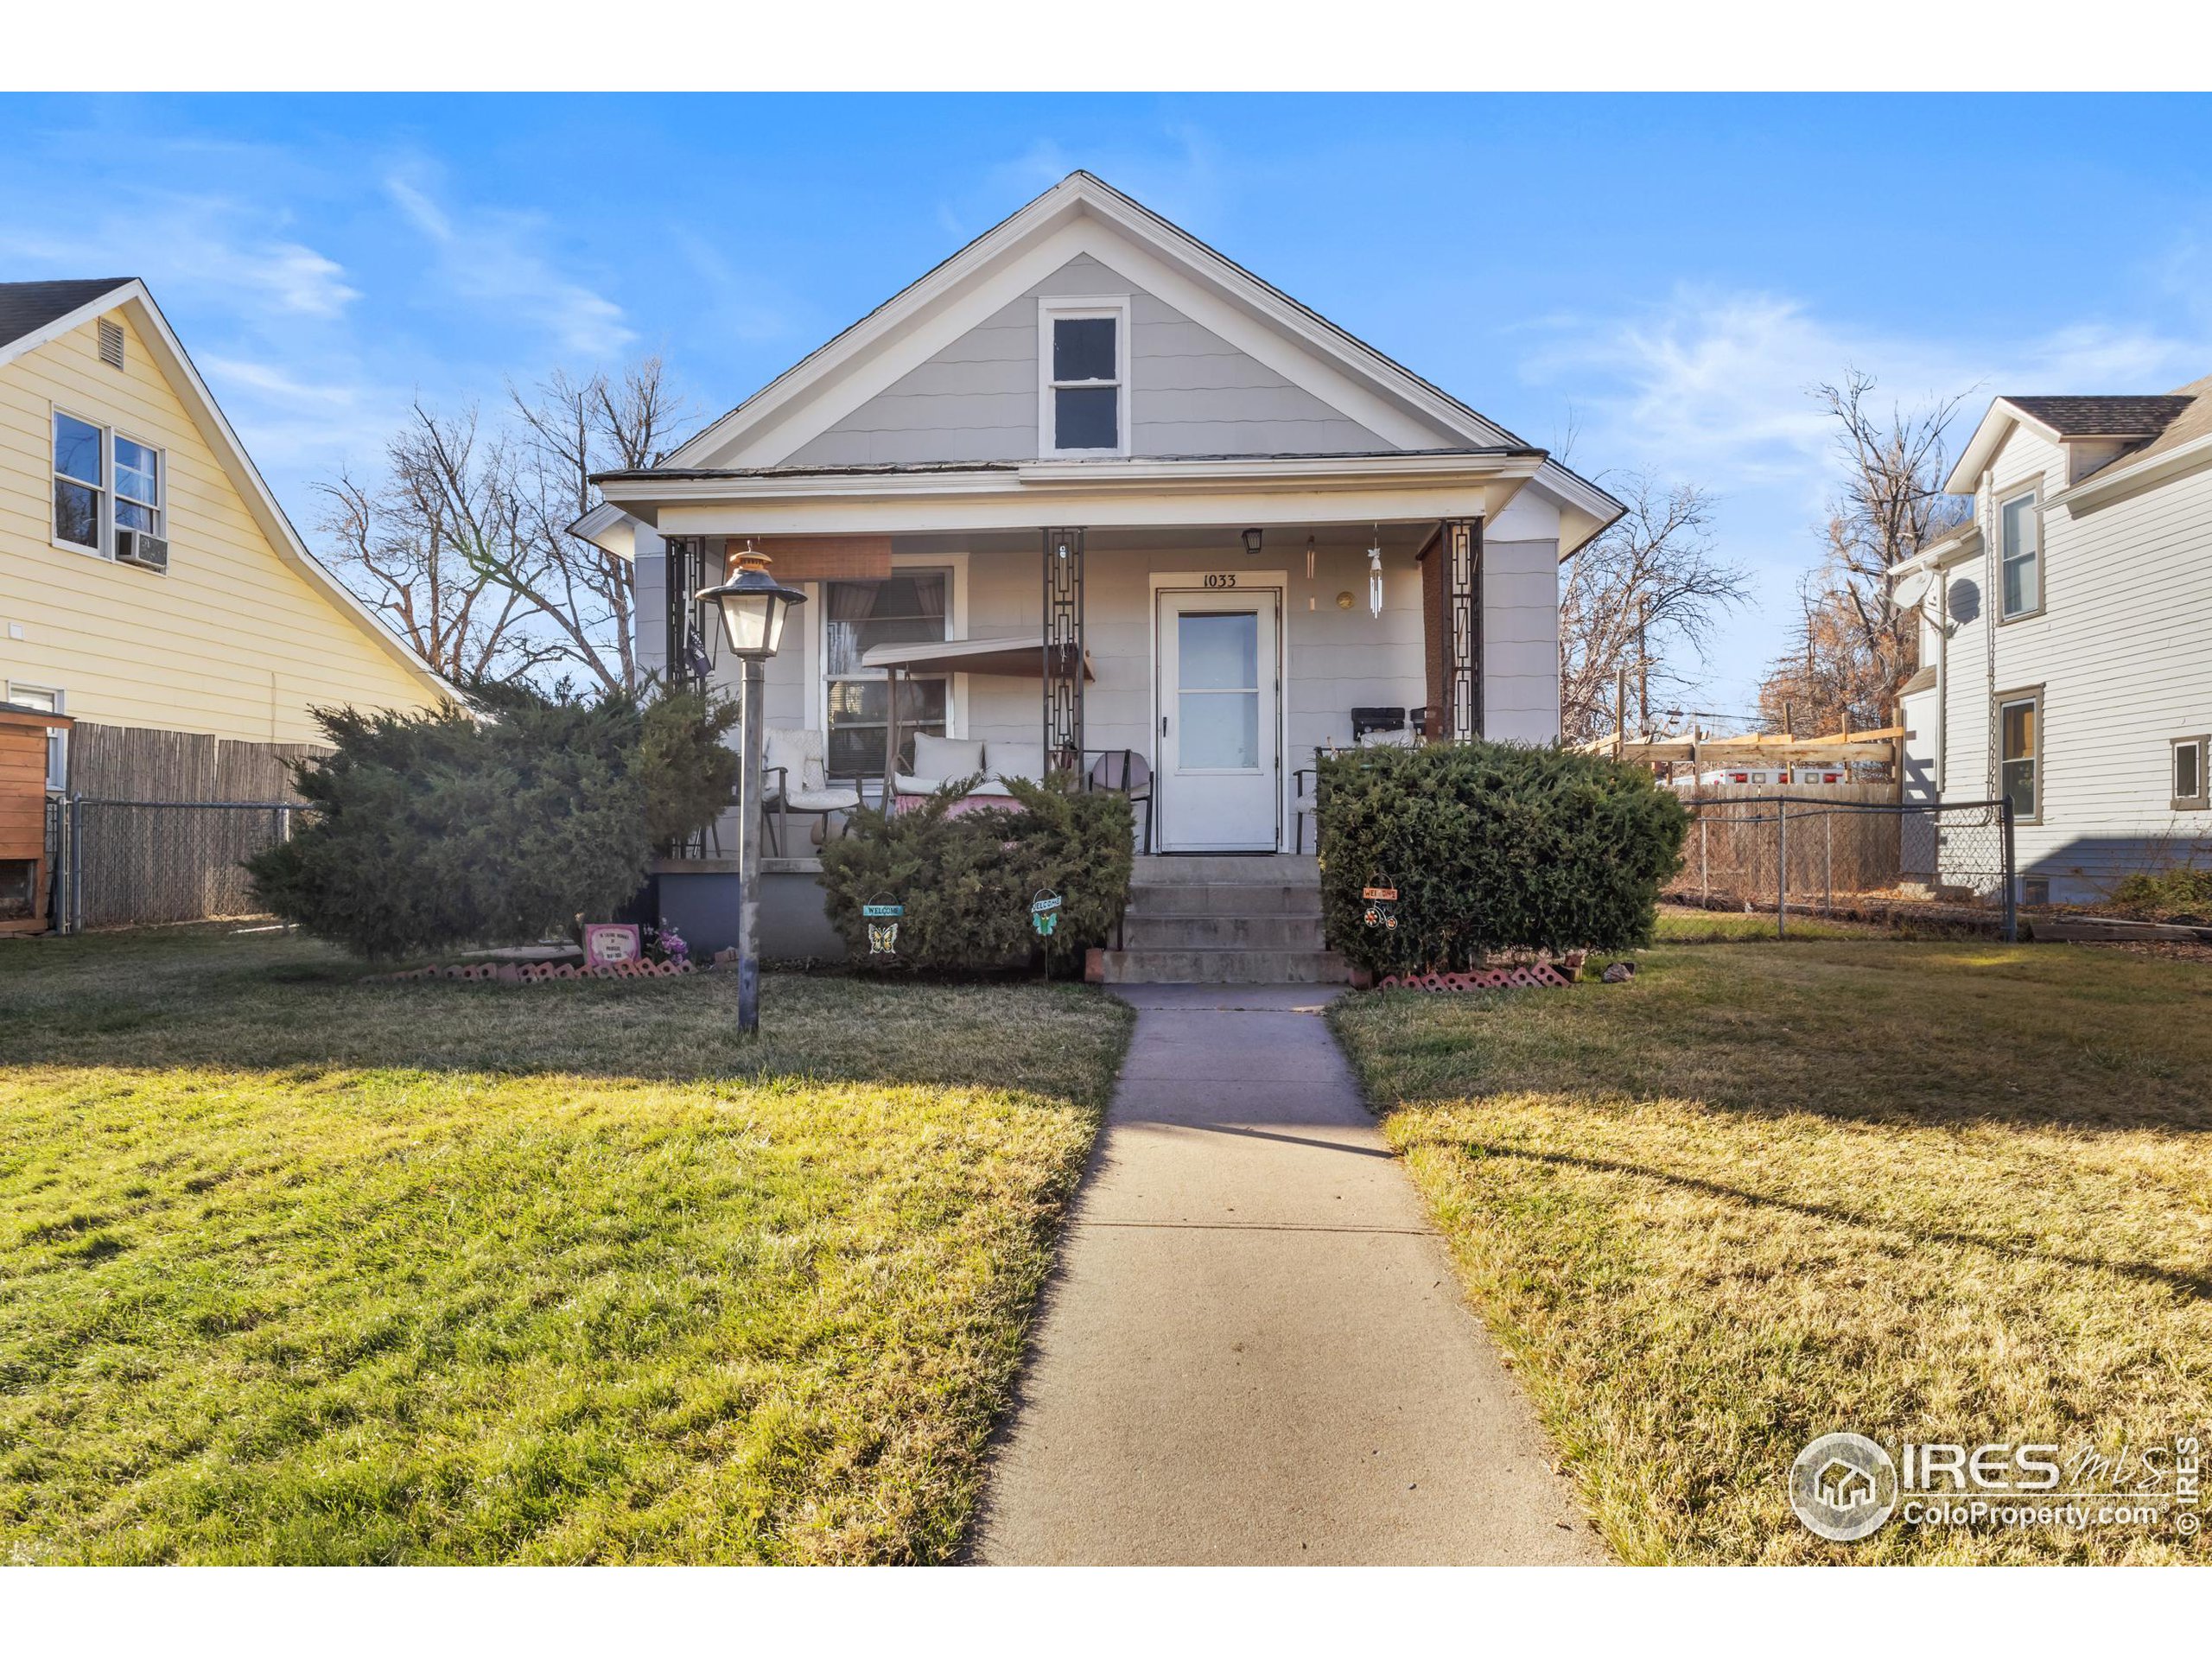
586,596
1642,597
409,539
1852,648
464,541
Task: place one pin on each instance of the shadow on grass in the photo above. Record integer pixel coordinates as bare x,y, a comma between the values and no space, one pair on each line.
2197,1285
211,996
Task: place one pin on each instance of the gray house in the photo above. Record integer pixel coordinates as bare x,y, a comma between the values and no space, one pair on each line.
1090,494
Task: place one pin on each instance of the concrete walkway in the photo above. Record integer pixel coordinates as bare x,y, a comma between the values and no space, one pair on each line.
1255,1351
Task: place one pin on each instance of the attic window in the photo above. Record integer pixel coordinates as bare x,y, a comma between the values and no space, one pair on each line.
111,343
1083,351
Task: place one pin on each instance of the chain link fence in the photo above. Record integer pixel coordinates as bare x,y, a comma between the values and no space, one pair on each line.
120,863
1867,859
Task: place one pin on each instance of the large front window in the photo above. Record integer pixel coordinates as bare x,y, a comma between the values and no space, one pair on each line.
908,608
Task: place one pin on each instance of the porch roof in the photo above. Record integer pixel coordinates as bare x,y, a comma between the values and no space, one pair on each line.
1020,658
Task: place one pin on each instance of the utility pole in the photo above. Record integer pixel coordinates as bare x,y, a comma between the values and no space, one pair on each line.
1620,708
1643,665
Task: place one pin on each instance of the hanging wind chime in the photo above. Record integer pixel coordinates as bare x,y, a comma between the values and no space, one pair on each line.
882,927
1375,575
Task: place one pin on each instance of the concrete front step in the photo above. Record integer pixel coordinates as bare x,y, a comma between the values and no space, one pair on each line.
1263,869
1241,931
1224,968
1222,899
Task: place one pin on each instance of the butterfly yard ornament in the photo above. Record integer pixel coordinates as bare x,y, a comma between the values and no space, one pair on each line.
1045,913
1382,907
882,928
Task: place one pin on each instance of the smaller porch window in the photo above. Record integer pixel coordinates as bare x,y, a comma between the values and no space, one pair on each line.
908,608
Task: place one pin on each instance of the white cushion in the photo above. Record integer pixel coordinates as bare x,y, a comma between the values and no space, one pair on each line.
798,753
1022,760
946,757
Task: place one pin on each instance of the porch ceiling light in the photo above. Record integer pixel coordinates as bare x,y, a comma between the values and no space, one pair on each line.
753,606
1252,543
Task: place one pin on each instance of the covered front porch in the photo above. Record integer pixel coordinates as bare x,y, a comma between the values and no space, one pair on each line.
1191,632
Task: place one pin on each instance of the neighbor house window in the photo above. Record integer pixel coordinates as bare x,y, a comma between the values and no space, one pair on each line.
47,699
79,483
2021,554
2019,737
1083,351
2189,785
907,608
137,486
103,482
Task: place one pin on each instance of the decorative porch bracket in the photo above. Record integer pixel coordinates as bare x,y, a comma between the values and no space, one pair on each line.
1063,652
688,666
1463,675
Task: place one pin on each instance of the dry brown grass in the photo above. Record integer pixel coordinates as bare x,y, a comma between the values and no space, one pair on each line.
1925,1192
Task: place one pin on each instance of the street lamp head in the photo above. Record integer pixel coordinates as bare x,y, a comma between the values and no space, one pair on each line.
754,606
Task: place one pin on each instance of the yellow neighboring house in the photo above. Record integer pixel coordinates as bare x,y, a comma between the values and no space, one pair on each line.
147,578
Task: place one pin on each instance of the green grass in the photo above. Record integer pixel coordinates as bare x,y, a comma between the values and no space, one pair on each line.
1683,925
299,1267
1926,1191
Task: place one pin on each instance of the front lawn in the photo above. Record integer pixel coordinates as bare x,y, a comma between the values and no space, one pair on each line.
299,1269
1937,1192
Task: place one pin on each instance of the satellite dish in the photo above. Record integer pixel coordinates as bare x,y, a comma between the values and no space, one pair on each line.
1911,588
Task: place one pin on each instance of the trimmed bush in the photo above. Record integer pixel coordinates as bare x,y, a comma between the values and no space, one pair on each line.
688,767
967,880
1491,847
431,830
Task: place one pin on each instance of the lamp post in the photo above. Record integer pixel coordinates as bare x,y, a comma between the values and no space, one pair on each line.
753,606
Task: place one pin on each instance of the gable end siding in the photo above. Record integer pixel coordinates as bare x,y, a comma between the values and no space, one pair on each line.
1192,393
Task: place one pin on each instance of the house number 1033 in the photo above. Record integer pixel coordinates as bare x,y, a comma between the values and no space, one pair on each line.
1225,579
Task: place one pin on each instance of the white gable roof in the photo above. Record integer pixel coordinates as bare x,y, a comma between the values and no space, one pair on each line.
133,298
1081,215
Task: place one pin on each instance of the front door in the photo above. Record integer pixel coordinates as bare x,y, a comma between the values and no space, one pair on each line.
1219,783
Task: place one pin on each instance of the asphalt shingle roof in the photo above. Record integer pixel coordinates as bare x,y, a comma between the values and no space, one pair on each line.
2104,418
26,307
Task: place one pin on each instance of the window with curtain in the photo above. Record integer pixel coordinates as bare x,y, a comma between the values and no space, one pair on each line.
2020,750
908,608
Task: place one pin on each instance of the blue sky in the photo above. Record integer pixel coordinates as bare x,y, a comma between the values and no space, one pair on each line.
1665,275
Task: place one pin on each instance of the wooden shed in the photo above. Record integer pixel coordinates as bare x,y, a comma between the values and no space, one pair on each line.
23,884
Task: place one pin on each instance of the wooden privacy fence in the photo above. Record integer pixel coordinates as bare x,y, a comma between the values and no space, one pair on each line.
156,825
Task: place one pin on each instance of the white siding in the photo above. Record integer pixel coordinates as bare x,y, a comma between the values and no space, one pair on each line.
2123,653
1191,393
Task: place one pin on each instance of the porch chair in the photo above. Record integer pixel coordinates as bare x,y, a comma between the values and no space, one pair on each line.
1124,772
1306,782
792,751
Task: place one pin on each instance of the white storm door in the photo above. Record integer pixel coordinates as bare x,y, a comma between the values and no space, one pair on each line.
1219,784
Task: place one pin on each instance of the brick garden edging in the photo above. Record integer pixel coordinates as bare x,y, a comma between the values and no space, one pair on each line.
538,973
1526,976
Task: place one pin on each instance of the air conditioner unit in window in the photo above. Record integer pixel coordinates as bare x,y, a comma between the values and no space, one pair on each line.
138,547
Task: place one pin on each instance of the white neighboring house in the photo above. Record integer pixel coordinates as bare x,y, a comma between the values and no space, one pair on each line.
2066,636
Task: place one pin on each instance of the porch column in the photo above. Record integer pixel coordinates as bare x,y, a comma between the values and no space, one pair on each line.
1063,648
1461,553
688,666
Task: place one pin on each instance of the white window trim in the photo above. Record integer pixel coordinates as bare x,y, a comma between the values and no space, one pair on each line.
57,742
2031,694
2201,800
110,487
1051,308
2032,494
955,628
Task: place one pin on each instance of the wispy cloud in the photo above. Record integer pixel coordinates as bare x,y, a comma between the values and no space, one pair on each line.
493,260
1716,385
189,241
